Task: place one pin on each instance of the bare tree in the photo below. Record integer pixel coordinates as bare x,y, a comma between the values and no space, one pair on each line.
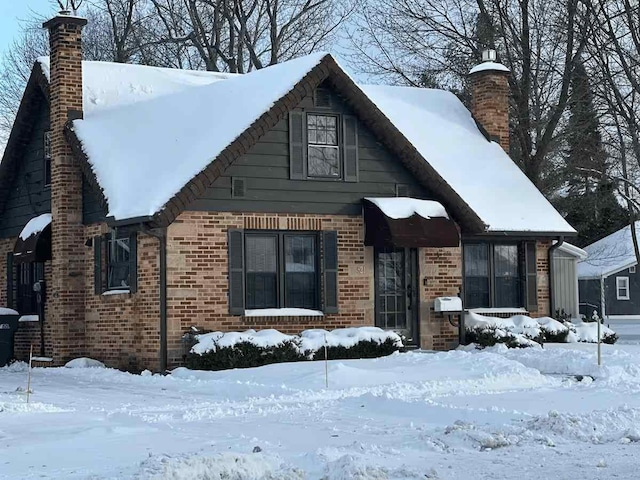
242,35
435,42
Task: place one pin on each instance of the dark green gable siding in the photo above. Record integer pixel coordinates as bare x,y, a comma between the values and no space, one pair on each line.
92,209
268,187
28,196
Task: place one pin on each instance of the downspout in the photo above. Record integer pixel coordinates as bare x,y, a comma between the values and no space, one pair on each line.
162,241
553,248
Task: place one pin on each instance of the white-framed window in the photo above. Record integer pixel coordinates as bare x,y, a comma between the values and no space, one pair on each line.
632,269
622,288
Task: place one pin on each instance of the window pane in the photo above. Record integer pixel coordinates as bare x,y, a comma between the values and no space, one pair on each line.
262,269
476,260
506,260
323,162
507,279
301,280
261,253
118,262
476,281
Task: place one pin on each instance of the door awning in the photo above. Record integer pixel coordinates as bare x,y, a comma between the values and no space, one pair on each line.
34,242
408,222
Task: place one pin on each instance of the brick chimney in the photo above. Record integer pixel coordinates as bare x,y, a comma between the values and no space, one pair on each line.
490,97
65,294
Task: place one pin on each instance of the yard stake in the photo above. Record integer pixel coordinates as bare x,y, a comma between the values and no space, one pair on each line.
599,345
326,363
29,373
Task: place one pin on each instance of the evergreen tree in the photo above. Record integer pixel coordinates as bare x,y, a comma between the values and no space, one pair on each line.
589,204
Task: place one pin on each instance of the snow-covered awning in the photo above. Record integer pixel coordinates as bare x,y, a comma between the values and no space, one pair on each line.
408,222
34,241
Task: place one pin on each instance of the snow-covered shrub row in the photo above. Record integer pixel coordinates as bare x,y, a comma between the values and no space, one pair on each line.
219,351
524,331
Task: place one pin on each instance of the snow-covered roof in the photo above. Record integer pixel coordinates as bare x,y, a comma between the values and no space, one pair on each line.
489,66
445,134
404,207
35,225
107,85
148,131
609,255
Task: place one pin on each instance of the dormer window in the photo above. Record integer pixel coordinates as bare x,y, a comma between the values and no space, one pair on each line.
47,157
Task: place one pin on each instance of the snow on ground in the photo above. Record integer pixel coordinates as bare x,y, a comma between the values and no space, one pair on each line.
491,414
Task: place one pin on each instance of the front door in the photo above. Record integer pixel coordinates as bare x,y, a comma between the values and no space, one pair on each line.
396,292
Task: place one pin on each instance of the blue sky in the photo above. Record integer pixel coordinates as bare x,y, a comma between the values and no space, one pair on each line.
13,11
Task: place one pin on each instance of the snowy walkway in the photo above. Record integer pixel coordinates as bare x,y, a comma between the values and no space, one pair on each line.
457,415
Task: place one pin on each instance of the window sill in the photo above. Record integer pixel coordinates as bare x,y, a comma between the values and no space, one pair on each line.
283,312
116,292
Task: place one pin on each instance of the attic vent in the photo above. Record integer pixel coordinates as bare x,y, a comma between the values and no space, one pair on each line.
238,188
322,98
402,190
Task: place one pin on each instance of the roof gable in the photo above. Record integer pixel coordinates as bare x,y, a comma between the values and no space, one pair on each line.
609,255
154,139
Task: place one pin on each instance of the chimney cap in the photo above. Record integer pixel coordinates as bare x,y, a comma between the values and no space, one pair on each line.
489,63
66,19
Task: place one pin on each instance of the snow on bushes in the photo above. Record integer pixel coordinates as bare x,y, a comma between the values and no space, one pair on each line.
524,331
219,351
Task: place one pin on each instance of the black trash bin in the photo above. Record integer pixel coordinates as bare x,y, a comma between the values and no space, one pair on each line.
8,327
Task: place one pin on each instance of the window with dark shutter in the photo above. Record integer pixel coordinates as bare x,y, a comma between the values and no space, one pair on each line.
10,302
323,151
531,276
297,149
236,272
47,157
330,271
276,269
350,148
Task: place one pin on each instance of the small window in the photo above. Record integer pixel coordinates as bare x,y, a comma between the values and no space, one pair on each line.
323,154
632,269
622,288
281,270
47,158
118,261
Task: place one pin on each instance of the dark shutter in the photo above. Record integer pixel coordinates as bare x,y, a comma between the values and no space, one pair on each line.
531,276
133,262
236,272
350,148
10,280
330,271
297,147
97,264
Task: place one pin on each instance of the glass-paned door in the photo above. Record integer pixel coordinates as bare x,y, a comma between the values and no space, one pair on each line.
26,275
396,291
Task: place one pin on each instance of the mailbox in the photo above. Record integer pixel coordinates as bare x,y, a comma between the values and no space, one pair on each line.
448,304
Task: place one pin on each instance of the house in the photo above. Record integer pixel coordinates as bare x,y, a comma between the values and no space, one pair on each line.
564,274
145,201
607,278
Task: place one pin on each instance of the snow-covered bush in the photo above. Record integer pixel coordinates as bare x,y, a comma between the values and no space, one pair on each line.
219,351
522,331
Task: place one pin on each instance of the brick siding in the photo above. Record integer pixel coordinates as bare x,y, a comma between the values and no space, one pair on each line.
490,103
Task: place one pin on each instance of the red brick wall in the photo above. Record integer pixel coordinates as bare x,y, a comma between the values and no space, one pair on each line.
198,278
66,296
490,103
441,268
123,330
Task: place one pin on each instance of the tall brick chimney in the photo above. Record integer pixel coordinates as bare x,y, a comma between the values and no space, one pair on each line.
65,294
490,97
